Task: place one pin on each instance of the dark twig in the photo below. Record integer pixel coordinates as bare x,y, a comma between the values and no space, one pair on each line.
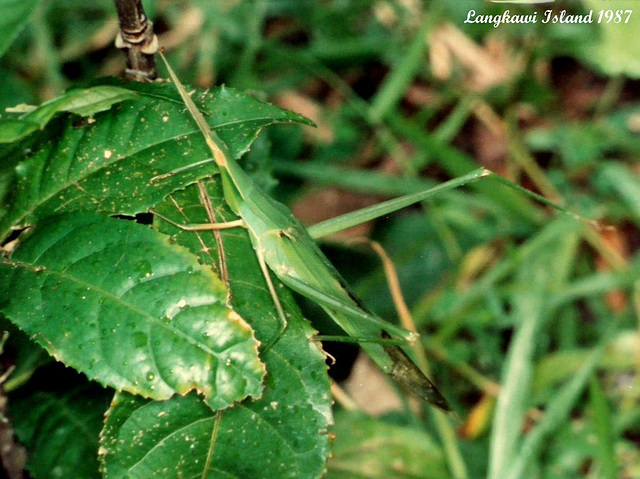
13,455
137,39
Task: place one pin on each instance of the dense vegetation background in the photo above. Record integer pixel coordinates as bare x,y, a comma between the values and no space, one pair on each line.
530,317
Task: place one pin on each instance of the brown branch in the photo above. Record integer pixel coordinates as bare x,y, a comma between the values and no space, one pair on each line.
13,455
137,40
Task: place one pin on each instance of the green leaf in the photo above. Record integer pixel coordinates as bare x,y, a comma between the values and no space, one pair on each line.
604,429
116,301
619,178
143,438
116,164
284,434
84,102
614,51
555,368
61,431
369,448
15,15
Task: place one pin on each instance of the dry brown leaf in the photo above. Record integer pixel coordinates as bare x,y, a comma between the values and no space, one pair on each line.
321,205
306,106
485,66
616,299
385,11
369,388
479,418
420,95
490,138
189,26
633,123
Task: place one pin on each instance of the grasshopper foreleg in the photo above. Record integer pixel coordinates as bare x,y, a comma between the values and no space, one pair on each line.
263,266
203,226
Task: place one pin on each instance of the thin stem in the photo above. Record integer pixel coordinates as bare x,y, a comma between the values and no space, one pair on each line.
212,444
445,430
342,398
253,36
483,383
609,96
523,158
48,56
206,202
330,338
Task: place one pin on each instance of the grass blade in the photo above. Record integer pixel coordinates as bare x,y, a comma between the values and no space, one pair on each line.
530,310
557,411
604,430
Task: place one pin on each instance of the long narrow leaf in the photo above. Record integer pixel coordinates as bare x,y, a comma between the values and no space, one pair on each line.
556,413
15,15
530,308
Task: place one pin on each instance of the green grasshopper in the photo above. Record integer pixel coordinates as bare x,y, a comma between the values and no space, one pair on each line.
284,246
